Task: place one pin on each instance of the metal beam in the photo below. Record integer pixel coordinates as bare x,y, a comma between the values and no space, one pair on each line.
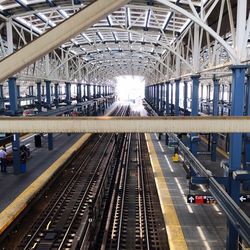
126,124
56,36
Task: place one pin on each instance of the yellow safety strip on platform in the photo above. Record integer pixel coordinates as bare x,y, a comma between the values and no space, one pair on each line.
10,213
175,235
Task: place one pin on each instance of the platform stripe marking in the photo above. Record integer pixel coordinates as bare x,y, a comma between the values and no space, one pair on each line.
10,213
173,227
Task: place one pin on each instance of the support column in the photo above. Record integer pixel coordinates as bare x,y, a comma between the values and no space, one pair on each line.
208,98
172,97
185,93
222,99
50,141
246,185
48,95
16,153
215,113
177,97
39,96
56,95
167,97
94,91
88,91
13,95
162,98
68,92
157,97
238,81
194,112
1,97
201,99
79,92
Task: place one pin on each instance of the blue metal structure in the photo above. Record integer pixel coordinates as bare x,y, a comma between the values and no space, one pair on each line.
185,93
177,97
16,153
68,92
167,97
194,112
39,96
79,92
238,81
56,95
172,97
215,113
157,97
1,97
48,93
246,184
13,95
88,91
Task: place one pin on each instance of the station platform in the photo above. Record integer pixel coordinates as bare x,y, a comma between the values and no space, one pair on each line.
16,191
189,226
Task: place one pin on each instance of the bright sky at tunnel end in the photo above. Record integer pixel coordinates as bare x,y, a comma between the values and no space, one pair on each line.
130,87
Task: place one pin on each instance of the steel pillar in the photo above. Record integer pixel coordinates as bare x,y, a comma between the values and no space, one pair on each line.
50,141
208,98
16,153
68,92
13,95
185,93
48,93
1,97
222,99
246,185
79,92
172,97
194,112
39,97
88,91
157,97
201,99
238,81
177,97
215,113
94,91
56,95
167,97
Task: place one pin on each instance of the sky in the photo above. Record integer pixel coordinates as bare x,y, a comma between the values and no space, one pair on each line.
130,87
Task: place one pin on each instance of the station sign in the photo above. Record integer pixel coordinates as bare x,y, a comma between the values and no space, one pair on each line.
201,199
245,198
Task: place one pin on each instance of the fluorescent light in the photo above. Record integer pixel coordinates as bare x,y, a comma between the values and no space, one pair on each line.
29,25
100,35
1,7
116,36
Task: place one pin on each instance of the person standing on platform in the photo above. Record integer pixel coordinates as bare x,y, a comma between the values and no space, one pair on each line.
3,155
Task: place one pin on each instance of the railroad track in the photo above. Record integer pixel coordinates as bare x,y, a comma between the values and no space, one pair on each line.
73,209
134,218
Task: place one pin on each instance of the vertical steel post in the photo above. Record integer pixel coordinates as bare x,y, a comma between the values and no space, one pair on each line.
1,97
215,113
235,150
246,184
185,93
167,97
13,95
16,153
79,92
39,96
48,94
194,112
177,97
172,97
56,95
68,92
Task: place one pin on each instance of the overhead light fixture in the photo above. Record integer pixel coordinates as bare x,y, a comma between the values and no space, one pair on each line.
100,35
1,7
128,16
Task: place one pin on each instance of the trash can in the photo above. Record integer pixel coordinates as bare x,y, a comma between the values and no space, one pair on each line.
38,141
